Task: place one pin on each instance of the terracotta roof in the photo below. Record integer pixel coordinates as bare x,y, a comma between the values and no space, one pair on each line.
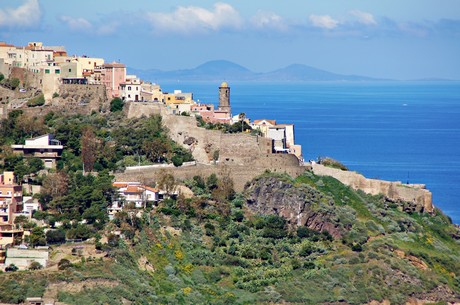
148,188
133,189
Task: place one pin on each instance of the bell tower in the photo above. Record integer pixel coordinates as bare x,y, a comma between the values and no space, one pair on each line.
224,97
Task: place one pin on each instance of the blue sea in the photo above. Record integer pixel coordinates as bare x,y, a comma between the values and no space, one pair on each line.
397,131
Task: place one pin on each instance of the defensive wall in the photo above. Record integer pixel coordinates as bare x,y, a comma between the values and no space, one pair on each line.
245,156
81,99
239,174
412,193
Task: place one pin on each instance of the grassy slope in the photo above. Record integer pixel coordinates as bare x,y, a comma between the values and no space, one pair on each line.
218,260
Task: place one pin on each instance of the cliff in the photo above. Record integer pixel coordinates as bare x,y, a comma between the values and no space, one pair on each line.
299,205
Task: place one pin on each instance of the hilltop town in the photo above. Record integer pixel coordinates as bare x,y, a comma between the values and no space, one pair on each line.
93,160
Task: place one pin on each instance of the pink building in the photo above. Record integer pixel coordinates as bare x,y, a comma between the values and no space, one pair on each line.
112,75
10,197
210,115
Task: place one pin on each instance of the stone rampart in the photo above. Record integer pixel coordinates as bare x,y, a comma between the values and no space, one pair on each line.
245,156
412,193
81,99
138,109
239,174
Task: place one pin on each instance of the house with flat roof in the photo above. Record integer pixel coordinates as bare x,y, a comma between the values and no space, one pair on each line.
10,198
44,147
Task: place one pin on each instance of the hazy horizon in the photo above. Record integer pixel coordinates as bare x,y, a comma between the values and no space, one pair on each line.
392,39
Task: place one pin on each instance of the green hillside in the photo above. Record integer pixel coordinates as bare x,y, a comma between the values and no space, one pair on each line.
216,247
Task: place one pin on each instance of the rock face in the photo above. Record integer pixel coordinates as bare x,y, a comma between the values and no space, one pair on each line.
299,205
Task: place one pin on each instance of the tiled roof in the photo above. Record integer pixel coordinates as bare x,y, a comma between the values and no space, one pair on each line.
148,188
133,189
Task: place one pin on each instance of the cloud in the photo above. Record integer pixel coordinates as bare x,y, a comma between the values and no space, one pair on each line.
364,17
76,24
323,21
192,19
268,20
26,15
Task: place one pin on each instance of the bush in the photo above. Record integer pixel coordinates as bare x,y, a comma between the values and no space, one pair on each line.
274,227
329,162
36,101
11,268
35,266
116,104
177,160
64,264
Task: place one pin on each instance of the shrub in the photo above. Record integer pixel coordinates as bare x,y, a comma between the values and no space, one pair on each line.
177,160
64,264
35,266
11,268
55,94
36,101
116,104
329,162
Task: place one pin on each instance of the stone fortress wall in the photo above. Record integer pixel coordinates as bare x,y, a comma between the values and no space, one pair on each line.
413,193
246,157
81,98
243,155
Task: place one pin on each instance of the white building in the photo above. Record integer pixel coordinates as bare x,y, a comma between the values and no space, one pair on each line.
44,147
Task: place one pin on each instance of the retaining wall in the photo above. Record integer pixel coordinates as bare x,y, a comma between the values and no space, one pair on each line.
413,193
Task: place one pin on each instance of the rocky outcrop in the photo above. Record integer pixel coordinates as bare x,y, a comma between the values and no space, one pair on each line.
299,205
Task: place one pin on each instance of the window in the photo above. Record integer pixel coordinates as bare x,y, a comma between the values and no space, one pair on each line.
58,71
47,71
70,70
129,88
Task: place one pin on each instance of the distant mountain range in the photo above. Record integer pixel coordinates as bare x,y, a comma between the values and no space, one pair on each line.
219,70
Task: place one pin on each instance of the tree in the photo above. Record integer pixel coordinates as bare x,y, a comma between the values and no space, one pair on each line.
156,149
211,182
55,236
88,148
55,185
224,190
166,182
37,237
116,104
241,118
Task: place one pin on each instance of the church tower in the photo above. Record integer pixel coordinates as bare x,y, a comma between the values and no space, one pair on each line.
224,97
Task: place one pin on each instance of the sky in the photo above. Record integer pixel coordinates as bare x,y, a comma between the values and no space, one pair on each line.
409,39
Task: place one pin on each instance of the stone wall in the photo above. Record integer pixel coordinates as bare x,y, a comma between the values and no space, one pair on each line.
81,99
239,174
244,155
412,193
138,109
